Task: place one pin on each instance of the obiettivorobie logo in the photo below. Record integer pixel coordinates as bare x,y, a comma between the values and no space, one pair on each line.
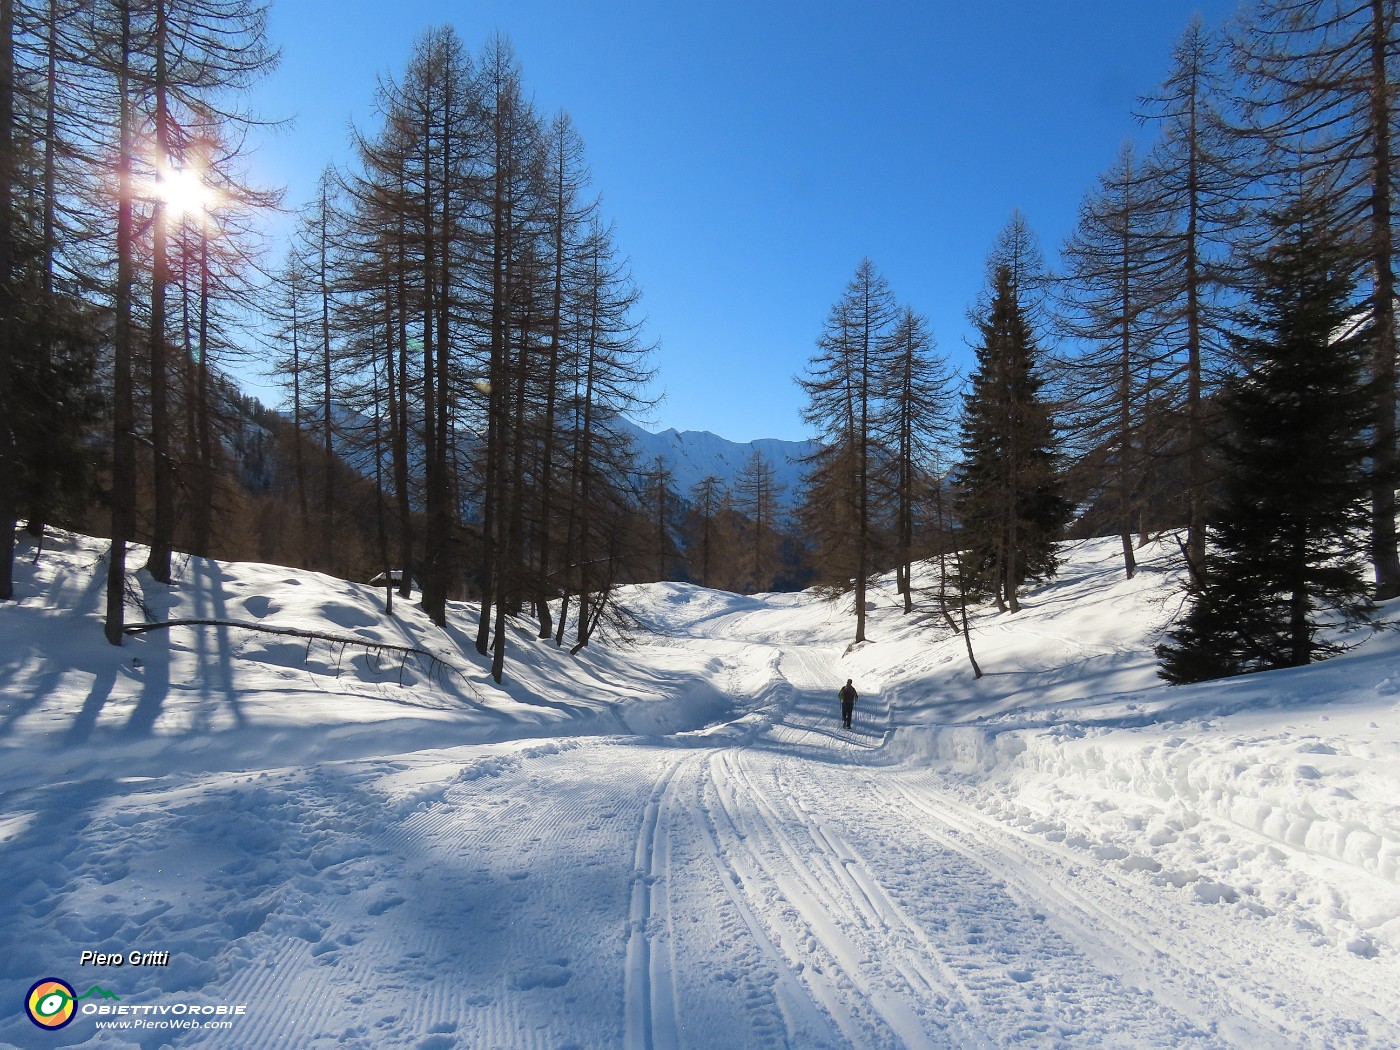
52,1003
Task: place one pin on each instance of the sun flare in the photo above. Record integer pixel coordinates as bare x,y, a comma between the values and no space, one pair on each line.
184,192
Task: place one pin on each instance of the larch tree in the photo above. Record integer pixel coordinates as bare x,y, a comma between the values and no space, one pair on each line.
844,384
479,294
119,34
707,496
1197,184
11,291
47,337
757,492
289,310
506,277
385,277
49,332
610,370
915,425
568,215
1114,293
659,494
196,52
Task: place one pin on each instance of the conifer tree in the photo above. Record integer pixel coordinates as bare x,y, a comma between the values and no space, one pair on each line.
1009,502
1287,535
756,494
706,497
915,424
1197,184
664,503
1115,293
844,383
1322,78
48,337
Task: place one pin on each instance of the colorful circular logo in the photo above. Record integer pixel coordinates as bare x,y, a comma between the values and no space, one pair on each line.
49,1003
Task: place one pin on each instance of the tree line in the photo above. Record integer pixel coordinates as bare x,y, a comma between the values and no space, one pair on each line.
1215,352
457,331
454,317
454,323
117,285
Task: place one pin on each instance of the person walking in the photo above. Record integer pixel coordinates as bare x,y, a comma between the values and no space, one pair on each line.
848,696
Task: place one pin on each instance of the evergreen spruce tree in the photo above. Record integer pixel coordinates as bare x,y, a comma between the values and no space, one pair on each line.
1321,76
1009,501
1288,540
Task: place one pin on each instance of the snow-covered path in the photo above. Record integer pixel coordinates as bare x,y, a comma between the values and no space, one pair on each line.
764,879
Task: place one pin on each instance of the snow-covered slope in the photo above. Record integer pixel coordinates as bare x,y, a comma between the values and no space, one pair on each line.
693,455
674,843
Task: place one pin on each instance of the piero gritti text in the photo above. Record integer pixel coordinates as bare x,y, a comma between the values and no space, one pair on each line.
134,958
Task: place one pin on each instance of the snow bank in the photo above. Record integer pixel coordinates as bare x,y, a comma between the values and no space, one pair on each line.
1277,791
232,697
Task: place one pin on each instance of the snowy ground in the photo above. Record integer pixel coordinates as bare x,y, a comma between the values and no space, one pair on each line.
675,844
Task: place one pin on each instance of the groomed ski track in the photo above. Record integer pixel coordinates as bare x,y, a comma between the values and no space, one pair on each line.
786,886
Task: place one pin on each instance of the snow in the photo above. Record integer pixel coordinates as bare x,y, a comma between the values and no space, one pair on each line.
693,455
672,842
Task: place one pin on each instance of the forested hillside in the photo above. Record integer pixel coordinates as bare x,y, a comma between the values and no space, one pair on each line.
460,341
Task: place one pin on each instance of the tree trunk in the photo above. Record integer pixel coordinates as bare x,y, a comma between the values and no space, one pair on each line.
8,322
327,423
163,476
1384,552
203,503
1125,393
399,410
123,496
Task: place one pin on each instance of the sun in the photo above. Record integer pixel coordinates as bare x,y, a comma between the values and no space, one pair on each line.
184,192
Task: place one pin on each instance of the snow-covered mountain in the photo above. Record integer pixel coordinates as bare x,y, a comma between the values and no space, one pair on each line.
695,454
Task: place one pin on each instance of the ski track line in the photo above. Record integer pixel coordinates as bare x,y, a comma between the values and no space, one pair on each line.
804,1022
649,993
967,822
1258,1015
792,951
843,910
986,995
1022,982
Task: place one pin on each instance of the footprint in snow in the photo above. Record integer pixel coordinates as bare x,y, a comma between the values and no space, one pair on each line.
383,904
548,975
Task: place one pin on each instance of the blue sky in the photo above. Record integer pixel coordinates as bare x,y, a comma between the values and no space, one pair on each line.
752,153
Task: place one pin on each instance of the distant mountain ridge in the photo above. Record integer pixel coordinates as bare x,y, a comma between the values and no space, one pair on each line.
693,455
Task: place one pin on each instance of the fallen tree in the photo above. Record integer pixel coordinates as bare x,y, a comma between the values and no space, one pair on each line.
436,664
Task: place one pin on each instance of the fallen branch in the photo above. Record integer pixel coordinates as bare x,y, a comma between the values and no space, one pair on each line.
294,632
